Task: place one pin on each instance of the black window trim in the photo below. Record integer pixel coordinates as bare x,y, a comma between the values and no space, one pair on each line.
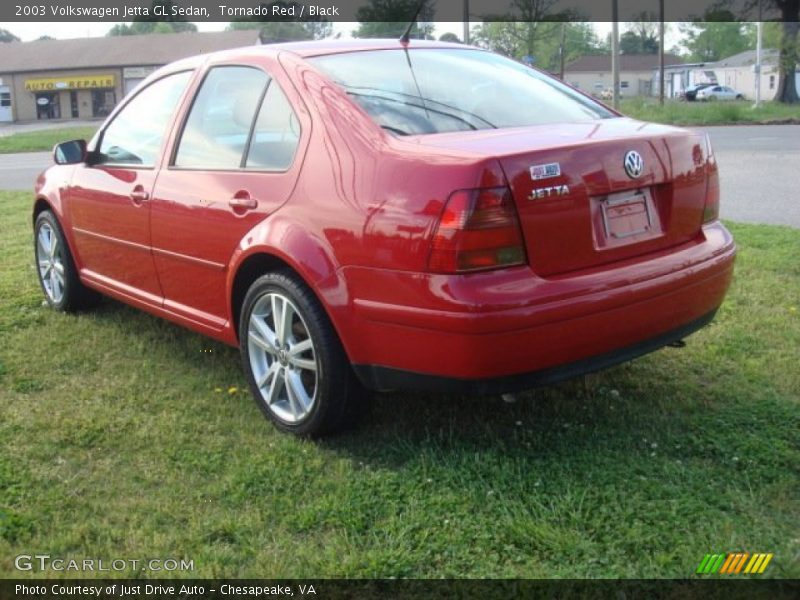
100,134
171,166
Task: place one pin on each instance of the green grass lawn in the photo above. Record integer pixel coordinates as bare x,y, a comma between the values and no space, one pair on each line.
709,113
37,141
124,436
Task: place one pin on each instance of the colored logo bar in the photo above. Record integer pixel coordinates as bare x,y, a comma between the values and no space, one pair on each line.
734,563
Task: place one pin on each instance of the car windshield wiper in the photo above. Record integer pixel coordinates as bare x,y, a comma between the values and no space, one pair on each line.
427,109
396,130
425,106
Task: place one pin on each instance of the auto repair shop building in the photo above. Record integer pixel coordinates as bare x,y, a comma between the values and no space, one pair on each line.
84,78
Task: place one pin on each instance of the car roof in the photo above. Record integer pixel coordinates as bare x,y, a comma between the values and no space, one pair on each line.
321,47
314,48
303,50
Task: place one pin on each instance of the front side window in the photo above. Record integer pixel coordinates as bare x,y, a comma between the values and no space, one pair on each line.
425,90
135,135
218,128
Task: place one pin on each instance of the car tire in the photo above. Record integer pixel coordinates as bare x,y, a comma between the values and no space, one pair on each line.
55,267
294,363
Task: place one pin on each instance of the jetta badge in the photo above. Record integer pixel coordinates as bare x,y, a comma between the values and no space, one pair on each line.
634,164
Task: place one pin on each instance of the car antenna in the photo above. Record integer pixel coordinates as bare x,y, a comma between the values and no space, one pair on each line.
406,37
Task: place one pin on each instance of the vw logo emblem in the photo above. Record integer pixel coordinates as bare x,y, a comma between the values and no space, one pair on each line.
634,164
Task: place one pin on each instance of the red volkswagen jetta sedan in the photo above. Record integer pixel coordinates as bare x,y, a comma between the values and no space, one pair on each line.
379,215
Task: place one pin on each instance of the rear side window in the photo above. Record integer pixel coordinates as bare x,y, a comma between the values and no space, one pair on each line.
218,128
240,118
276,133
135,135
428,90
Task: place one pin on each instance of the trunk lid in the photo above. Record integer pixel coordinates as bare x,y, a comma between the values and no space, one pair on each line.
578,206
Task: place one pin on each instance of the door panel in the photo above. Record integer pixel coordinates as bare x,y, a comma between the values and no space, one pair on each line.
196,230
109,198
209,199
112,230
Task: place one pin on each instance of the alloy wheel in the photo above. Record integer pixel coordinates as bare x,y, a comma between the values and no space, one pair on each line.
50,261
282,357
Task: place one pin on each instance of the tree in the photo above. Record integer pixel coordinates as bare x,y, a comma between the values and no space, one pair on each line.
390,18
509,39
44,38
144,27
712,41
450,37
286,31
790,18
641,36
7,36
154,24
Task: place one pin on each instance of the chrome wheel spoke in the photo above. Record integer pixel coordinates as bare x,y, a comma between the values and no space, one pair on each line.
300,347
305,364
53,245
295,392
268,375
282,313
276,385
58,269
55,286
262,341
44,240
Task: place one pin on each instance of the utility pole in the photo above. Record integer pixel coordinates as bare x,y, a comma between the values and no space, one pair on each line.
466,21
661,52
615,52
757,67
562,50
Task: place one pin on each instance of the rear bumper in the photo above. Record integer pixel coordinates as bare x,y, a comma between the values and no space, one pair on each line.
509,330
384,378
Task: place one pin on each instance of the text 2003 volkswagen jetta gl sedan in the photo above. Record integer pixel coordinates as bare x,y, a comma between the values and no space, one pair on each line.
378,215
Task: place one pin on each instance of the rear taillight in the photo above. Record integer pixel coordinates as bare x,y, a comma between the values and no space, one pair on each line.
711,210
478,230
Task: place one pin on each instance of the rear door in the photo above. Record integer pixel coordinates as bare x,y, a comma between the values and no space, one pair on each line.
233,163
109,199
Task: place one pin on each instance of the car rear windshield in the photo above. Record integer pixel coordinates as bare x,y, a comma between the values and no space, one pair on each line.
423,91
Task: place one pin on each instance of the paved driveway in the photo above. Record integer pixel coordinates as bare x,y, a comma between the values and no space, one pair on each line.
759,172
12,128
759,168
19,171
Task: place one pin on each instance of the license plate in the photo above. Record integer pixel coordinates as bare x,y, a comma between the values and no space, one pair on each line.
627,215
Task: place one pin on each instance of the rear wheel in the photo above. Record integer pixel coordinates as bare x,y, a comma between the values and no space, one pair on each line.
295,366
55,267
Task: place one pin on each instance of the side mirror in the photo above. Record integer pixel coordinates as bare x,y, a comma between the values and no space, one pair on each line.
70,153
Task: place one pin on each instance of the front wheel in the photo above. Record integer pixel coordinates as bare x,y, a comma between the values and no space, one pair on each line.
55,267
295,366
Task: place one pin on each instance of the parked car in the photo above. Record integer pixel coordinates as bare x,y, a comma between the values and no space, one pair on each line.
690,94
356,216
606,94
718,92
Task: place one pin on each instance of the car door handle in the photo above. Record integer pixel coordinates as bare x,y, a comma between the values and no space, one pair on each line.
138,195
243,201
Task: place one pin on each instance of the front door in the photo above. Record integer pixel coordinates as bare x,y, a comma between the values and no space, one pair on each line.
109,198
234,163
5,104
